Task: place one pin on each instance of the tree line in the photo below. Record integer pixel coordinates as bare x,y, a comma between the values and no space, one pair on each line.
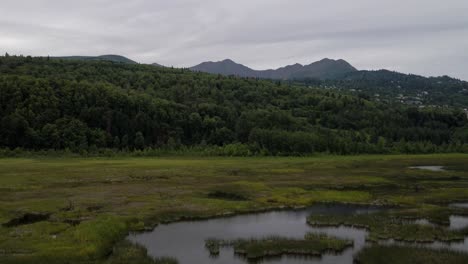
395,87
90,105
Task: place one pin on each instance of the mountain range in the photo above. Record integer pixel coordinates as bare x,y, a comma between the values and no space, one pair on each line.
323,69
382,85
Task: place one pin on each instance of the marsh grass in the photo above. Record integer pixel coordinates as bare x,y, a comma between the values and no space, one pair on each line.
383,226
126,252
408,255
94,202
311,245
237,191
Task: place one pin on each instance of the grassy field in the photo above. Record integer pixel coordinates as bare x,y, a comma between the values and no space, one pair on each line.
78,210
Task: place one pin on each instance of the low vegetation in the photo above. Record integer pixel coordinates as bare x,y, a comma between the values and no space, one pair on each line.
127,253
383,226
92,203
409,255
311,245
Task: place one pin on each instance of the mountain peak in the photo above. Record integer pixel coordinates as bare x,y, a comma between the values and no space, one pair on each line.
224,67
228,61
323,69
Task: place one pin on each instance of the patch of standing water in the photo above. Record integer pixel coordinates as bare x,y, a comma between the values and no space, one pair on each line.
185,241
459,205
422,222
461,246
458,222
429,168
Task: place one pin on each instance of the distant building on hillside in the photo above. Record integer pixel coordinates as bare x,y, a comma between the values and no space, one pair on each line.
413,102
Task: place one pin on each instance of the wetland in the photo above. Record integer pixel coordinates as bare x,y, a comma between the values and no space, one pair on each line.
321,209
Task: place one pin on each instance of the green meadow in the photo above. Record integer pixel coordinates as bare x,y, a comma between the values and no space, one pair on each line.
79,210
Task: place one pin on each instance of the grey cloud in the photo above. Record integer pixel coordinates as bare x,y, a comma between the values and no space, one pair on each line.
426,37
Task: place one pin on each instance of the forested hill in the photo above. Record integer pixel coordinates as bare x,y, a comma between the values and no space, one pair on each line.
380,85
113,58
392,86
87,105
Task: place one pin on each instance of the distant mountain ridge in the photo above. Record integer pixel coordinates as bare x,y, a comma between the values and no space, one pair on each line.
109,57
323,69
157,65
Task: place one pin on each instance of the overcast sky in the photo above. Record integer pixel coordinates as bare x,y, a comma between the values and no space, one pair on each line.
428,37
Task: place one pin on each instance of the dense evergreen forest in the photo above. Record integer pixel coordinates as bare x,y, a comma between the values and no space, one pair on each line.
83,106
389,86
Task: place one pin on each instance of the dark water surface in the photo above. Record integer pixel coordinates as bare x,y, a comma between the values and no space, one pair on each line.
459,205
429,168
185,241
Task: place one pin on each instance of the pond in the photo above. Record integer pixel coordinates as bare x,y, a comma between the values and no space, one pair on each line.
458,222
459,205
429,168
185,241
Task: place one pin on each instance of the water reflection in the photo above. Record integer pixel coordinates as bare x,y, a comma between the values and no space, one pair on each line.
459,205
458,222
461,246
186,240
429,168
